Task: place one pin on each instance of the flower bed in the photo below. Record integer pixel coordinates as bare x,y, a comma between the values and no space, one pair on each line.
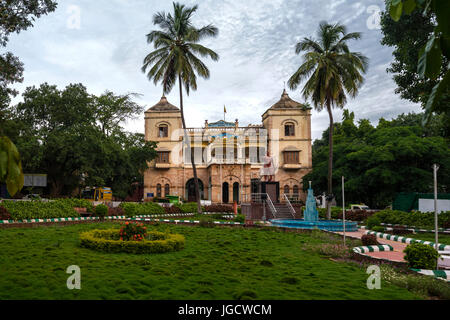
153,242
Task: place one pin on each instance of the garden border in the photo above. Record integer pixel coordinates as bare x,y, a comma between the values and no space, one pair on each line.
93,240
413,228
438,274
374,248
387,236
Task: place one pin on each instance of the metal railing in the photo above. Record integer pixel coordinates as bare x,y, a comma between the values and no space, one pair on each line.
291,208
261,198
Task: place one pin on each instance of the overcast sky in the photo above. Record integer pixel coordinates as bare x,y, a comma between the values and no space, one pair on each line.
102,43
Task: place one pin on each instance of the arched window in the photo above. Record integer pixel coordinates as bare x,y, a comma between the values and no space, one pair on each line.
166,190
158,190
286,190
289,129
163,131
296,191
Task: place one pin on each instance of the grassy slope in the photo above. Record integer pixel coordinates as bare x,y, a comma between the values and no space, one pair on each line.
217,263
443,238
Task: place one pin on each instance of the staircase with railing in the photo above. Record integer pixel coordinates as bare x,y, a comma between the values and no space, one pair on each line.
283,210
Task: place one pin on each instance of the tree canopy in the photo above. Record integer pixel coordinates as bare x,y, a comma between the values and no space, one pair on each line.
420,29
379,161
77,139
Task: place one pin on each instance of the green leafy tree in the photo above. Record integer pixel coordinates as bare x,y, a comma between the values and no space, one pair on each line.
174,58
15,16
112,110
58,132
377,162
434,56
331,72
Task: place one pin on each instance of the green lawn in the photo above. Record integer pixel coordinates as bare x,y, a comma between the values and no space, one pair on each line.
429,236
217,263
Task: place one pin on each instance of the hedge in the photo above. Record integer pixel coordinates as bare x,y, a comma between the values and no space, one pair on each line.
141,209
22,210
108,241
413,219
352,215
421,256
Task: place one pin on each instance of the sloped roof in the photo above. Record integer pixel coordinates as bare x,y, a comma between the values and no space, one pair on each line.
163,106
286,102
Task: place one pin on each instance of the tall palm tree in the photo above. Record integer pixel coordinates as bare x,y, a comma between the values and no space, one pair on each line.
176,45
331,72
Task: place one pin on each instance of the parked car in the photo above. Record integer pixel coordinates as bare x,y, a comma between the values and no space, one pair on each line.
359,207
32,197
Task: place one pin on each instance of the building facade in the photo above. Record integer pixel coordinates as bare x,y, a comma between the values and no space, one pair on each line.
231,160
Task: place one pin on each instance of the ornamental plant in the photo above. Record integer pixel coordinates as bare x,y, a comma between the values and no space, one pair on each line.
132,232
421,256
101,211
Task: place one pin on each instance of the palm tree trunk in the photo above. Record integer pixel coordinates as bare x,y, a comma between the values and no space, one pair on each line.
330,161
187,140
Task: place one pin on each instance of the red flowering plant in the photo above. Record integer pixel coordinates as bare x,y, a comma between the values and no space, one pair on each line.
132,232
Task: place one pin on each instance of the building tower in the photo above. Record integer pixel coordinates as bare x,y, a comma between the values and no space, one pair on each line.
162,125
289,141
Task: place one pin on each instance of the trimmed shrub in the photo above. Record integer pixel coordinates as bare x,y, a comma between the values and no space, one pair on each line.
378,229
101,211
109,241
240,218
416,219
141,209
373,221
369,240
79,203
22,210
421,256
190,207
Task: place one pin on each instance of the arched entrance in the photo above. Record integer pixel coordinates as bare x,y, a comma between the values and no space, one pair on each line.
190,190
236,192
225,192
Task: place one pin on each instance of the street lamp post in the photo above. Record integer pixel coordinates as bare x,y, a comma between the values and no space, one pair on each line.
436,232
343,206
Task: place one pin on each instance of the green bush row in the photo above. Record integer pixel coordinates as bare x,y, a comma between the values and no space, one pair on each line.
21,210
108,241
141,209
189,207
416,219
79,203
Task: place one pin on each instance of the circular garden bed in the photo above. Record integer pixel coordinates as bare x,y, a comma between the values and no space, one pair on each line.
125,240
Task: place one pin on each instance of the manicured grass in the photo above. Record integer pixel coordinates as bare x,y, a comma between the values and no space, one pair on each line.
217,263
429,236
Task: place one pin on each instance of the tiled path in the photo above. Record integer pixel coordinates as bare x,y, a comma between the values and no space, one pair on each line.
396,255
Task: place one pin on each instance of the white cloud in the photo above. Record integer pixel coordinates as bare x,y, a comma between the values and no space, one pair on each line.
256,44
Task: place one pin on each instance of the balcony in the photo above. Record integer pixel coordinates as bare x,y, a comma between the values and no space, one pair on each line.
292,166
162,165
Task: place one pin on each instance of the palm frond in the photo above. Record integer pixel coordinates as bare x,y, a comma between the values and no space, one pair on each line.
308,45
203,51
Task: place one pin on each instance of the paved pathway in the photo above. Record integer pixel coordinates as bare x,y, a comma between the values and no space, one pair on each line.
396,255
